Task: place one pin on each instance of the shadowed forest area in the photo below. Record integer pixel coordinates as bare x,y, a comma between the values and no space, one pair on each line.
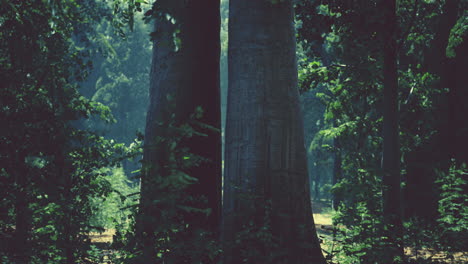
229,132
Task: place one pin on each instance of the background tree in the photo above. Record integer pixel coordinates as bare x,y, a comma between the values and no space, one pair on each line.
391,182
353,81
117,84
48,165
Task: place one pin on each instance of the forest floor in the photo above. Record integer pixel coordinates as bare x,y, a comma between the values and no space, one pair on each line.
105,237
323,223
104,240
324,226
323,215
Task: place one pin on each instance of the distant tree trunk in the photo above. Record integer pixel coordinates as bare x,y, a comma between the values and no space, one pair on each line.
445,67
23,213
391,149
458,100
179,82
337,173
422,194
318,173
452,71
265,157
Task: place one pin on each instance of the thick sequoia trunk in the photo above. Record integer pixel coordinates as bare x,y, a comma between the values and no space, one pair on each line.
180,81
391,149
203,45
265,178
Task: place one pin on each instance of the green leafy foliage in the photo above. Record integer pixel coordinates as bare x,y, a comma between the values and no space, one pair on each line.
113,211
343,65
453,206
120,80
64,71
457,34
447,235
50,165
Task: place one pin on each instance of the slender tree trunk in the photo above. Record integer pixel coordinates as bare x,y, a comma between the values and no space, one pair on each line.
337,173
63,180
422,190
182,78
265,180
391,149
318,173
23,213
445,68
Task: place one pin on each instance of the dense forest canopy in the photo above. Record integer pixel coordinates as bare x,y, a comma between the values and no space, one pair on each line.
233,131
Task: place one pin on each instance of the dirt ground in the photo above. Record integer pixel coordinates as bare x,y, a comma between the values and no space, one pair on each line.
323,224
105,237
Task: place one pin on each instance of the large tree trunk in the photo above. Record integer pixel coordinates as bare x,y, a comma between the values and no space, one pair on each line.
180,81
391,149
266,181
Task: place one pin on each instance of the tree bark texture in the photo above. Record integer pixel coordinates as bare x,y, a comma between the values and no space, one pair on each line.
391,148
265,157
181,79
